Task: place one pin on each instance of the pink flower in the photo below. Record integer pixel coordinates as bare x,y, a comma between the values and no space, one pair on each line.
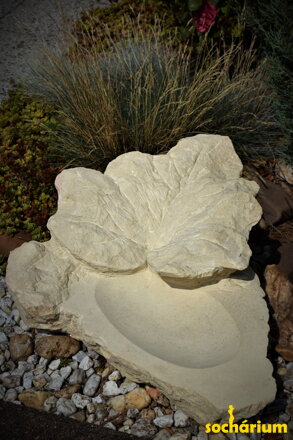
205,17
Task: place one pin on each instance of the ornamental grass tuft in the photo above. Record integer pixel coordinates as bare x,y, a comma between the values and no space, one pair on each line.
145,93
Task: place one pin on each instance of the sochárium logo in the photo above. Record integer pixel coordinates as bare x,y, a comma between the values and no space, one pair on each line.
244,427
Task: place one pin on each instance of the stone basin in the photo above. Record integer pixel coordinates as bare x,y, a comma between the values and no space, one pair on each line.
148,265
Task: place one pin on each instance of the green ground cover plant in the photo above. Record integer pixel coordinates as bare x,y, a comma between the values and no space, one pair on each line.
177,16
141,93
28,196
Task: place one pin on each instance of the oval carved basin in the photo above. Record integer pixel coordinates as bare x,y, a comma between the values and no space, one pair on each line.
189,328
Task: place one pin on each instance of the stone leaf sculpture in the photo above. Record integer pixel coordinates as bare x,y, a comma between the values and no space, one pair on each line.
146,264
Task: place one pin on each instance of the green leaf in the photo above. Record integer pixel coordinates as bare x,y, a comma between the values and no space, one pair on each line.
194,5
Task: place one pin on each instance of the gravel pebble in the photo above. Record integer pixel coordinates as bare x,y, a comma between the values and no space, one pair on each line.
89,372
50,404
65,372
127,386
181,436
92,385
79,356
93,354
73,365
86,363
163,434
164,421
3,338
180,419
158,411
143,428
100,414
54,365
110,425
43,363
115,375
77,377
288,384
110,388
39,370
2,391
80,401
39,381
55,384
10,395
98,399
11,381
27,380
203,436
24,326
65,407
15,316
10,365
90,418
132,413
33,359
91,408
80,416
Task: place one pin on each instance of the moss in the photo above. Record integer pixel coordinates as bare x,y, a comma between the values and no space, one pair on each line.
26,173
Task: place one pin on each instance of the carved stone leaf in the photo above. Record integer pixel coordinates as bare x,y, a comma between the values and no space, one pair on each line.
187,214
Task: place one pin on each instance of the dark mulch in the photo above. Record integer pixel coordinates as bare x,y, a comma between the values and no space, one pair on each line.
21,423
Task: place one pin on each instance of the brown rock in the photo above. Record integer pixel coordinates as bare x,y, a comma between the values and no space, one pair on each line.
280,293
285,352
162,400
148,414
137,398
276,203
153,392
285,264
56,346
20,347
11,381
67,391
34,399
8,244
143,428
117,403
284,170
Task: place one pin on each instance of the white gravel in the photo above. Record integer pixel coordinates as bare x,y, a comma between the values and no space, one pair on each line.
25,25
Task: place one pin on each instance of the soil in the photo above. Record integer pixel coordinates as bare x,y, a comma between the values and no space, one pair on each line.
19,422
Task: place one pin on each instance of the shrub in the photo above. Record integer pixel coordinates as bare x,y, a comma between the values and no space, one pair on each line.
26,174
271,20
145,95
